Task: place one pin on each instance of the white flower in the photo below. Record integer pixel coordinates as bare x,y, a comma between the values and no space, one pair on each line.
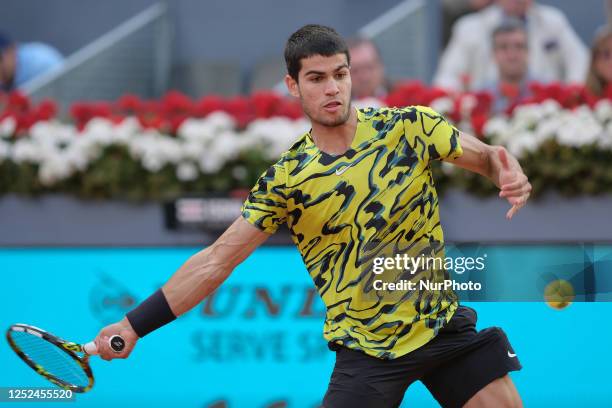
273,136
497,128
26,150
578,128
193,150
527,116
603,110
206,129
54,169
443,105
7,127
468,103
522,143
186,171
210,164
99,130
368,103
447,168
549,107
152,163
605,139
221,120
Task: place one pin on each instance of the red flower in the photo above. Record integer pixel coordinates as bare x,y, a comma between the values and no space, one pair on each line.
289,108
24,121
478,122
176,102
209,104
175,122
18,102
129,103
265,103
150,121
46,110
240,108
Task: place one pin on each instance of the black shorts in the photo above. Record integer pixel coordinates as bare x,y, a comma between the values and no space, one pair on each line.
454,366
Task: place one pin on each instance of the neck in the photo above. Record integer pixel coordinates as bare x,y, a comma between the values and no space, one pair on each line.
335,139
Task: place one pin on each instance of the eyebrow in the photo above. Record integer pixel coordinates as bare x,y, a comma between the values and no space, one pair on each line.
338,68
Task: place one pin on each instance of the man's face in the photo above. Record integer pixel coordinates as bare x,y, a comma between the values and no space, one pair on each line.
367,71
8,60
510,53
515,8
603,61
324,89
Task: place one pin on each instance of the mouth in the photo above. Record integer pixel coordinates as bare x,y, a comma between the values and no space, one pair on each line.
332,106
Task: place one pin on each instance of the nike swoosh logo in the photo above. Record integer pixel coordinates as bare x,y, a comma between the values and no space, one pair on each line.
511,354
342,170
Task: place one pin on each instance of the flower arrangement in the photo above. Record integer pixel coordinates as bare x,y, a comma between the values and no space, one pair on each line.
137,149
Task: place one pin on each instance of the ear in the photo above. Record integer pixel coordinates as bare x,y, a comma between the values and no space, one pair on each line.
292,86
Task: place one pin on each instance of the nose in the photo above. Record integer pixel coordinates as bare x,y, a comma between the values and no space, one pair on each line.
331,88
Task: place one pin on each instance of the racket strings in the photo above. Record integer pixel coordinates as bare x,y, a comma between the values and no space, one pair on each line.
51,358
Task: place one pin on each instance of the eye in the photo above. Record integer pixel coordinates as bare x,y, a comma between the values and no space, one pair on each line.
341,75
316,79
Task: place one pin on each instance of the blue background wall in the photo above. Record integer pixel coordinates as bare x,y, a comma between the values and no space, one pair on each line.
240,350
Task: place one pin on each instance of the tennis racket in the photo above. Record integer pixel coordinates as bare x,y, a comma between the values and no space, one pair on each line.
57,359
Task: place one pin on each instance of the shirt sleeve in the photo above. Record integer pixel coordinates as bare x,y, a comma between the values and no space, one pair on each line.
266,205
431,135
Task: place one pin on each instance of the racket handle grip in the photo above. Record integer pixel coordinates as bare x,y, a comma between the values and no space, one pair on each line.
91,348
116,343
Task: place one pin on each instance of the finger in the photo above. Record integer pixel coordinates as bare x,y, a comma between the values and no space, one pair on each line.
518,182
511,212
517,204
104,349
503,158
523,190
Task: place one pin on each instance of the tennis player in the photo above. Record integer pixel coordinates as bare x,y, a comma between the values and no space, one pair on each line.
359,182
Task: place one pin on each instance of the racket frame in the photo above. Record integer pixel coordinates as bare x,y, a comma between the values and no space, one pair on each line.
70,348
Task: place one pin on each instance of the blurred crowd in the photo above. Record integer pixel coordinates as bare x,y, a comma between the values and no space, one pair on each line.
500,46
496,46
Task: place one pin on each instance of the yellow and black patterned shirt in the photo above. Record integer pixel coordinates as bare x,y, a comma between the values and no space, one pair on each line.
345,210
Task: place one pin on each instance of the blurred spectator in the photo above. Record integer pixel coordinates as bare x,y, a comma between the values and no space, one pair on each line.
555,51
367,70
453,9
22,62
510,52
600,71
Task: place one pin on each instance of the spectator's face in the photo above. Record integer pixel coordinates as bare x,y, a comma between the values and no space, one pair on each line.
8,60
367,71
510,53
603,61
515,8
324,89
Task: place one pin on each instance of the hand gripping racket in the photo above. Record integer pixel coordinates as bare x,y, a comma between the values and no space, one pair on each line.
57,359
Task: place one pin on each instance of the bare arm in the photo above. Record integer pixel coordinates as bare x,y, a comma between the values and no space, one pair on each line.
206,270
196,279
499,166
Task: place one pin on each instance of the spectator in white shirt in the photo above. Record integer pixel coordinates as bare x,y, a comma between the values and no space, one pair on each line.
555,51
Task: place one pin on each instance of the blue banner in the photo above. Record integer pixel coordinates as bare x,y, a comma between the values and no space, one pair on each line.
257,342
